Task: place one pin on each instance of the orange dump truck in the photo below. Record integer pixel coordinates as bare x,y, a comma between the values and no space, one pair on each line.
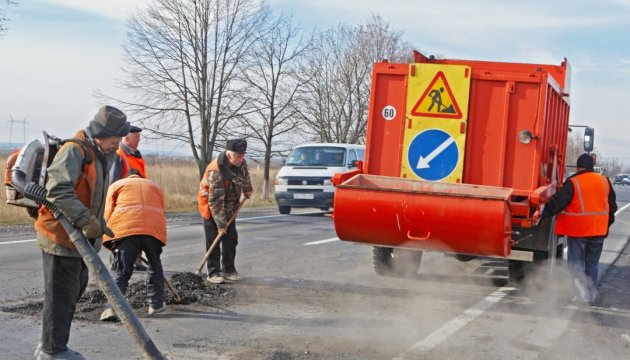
460,157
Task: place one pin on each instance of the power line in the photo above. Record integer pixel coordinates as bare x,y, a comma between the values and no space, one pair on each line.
23,122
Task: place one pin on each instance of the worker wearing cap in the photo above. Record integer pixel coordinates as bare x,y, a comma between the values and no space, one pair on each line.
224,180
129,156
585,206
77,185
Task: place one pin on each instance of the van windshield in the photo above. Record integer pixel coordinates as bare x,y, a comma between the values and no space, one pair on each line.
317,156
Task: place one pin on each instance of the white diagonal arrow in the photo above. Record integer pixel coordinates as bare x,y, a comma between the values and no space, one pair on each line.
423,162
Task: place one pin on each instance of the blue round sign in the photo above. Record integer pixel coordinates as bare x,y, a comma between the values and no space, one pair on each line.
433,155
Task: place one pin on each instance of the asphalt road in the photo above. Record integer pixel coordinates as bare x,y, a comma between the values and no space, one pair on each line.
307,295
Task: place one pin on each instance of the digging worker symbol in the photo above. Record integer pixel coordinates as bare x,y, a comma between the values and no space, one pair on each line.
585,206
436,99
220,189
76,184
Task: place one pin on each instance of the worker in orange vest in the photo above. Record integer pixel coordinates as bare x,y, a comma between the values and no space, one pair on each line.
585,206
220,189
129,156
134,210
77,185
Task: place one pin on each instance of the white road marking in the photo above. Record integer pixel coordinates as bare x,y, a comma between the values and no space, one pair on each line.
622,209
17,241
322,241
278,215
451,327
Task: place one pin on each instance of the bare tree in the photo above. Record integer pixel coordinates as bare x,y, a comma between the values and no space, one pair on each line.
3,18
271,76
334,104
182,61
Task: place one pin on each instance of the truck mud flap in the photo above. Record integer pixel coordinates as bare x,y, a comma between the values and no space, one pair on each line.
431,216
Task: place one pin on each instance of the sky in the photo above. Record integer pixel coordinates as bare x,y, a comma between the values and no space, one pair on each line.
57,53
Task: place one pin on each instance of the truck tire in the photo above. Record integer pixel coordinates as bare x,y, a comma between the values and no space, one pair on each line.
464,258
517,270
396,262
284,210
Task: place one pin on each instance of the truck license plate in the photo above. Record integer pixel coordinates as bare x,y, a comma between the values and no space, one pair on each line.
303,196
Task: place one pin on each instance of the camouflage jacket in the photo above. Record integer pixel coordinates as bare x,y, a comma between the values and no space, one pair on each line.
225,196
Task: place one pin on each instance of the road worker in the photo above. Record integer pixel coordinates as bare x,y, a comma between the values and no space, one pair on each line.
585,206
76,184
223,182
129,157
134,210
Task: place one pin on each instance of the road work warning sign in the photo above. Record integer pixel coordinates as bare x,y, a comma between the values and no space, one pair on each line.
438,100
437,115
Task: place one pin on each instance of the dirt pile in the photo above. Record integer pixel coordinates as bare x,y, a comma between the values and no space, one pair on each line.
191,288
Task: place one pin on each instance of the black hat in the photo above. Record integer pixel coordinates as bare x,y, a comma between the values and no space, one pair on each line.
108,122
237,145
585,161
134,129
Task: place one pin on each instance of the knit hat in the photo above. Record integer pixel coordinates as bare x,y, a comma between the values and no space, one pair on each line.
585,161
237,145
108,122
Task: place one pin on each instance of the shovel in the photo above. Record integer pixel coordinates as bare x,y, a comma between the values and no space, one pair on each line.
216,240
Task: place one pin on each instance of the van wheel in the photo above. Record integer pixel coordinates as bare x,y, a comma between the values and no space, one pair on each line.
396,262
284,210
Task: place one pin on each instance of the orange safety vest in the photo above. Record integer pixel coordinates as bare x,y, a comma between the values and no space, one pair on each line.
587,213
205,189
135,206
131,162
46,223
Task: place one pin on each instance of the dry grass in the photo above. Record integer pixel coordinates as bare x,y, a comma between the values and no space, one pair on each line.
178,179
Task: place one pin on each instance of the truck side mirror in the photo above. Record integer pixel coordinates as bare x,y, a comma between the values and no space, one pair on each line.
589,139
353,164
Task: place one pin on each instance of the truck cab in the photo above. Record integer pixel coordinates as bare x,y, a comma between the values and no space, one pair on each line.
305,179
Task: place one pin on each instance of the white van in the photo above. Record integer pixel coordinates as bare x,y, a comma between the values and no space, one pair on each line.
305,179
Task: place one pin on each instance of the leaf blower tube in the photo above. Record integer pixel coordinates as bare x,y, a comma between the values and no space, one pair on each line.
94,263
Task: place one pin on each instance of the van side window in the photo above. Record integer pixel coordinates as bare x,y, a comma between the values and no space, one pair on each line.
352,157
361,154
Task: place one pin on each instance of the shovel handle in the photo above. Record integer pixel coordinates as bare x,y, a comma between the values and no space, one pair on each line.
215,242
169,286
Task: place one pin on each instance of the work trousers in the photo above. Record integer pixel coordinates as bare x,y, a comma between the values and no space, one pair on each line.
65,280
224,253
126,251
583,259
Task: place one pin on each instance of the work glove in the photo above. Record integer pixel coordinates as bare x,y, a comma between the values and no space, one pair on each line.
93,229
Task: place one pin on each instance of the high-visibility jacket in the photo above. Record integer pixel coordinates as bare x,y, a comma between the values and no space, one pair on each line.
587,213
131,161
135,206
46,223
204,190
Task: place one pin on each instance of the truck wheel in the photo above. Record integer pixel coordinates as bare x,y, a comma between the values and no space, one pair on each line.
396,262
516,270
284,210
464,258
